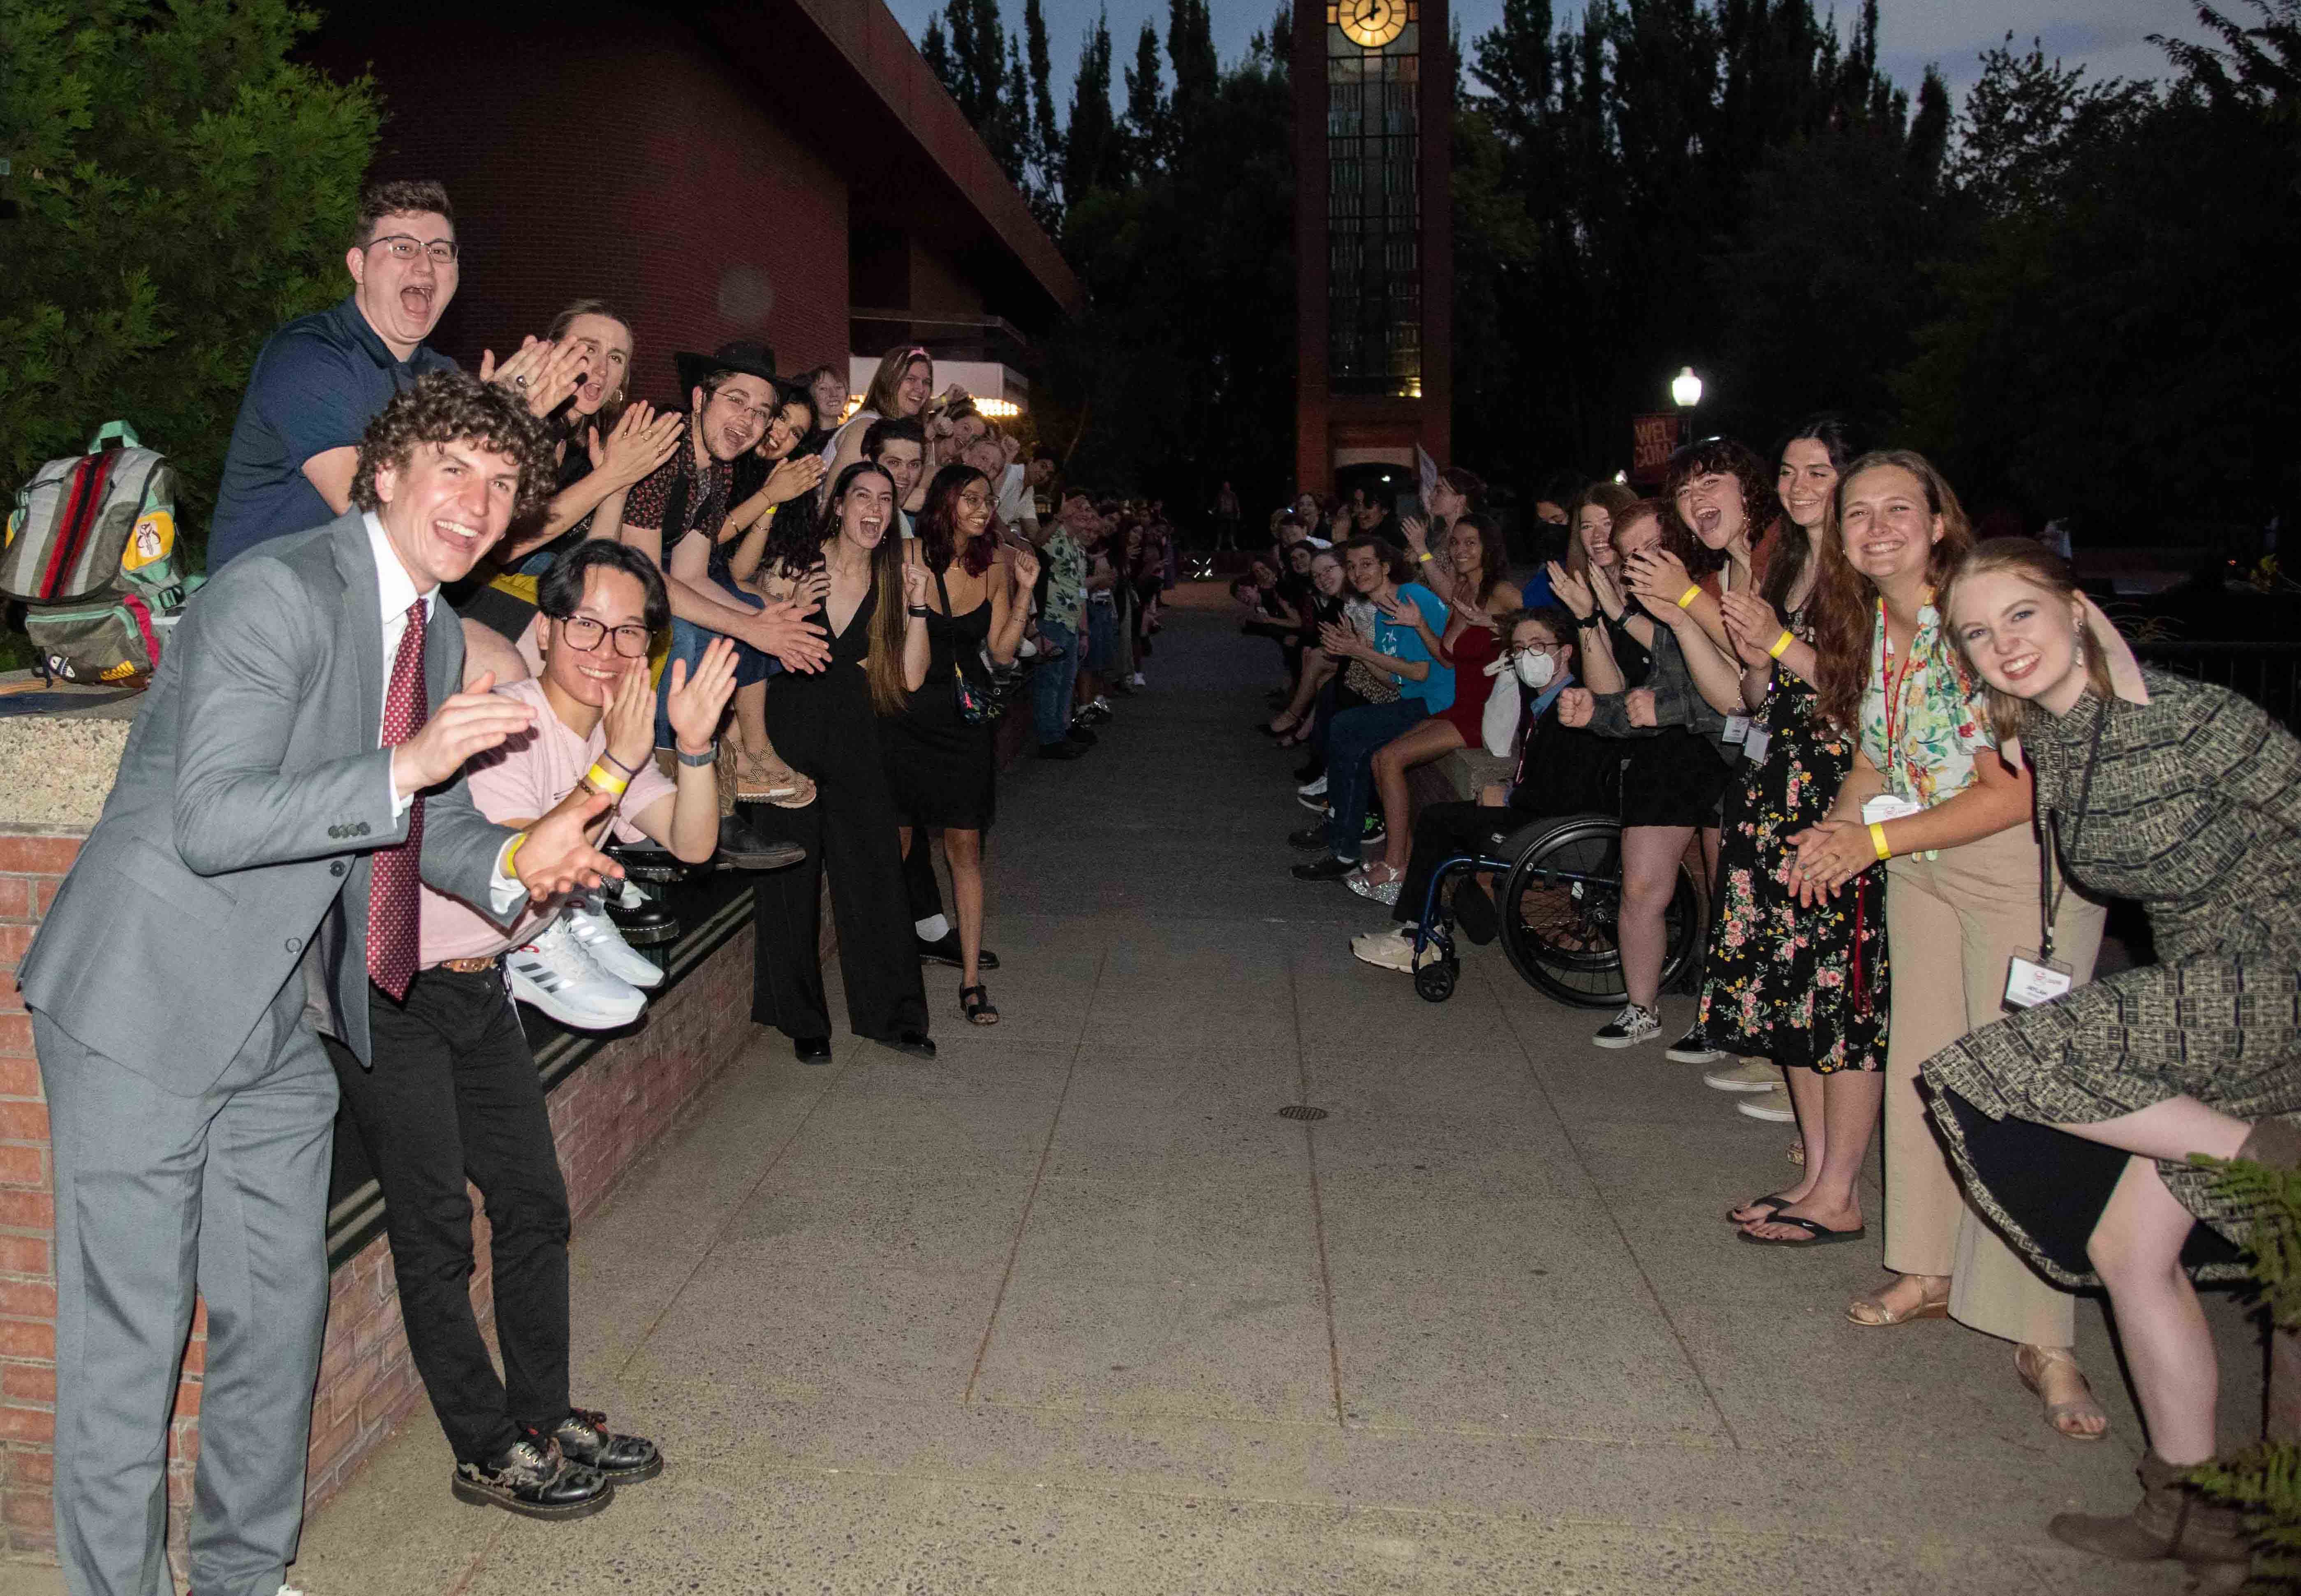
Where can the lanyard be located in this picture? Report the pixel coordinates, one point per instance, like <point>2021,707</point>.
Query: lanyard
<point>1894,683</point>
<point>2049,896</point>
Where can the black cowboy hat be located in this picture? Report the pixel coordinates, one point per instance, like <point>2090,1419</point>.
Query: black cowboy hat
<point>752,359</point>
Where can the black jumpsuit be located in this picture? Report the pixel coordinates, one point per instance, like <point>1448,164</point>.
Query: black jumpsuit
<point>823,726</point>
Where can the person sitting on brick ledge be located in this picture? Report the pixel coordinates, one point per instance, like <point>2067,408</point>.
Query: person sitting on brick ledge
<point>455,1092</point>
<point>254,879</point>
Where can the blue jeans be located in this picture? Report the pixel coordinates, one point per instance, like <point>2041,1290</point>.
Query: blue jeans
<point>1350,745</point>
<point>1052,681</point>
<point>688,642</point>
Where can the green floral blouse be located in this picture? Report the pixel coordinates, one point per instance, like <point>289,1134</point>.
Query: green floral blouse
<point>1938,716</point>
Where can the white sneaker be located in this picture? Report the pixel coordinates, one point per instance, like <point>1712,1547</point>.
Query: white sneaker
<point>1311,789</point>
<point>1316,805</point>
<point>597,935</point>
<point>1629,1028</point>
<point>555,974</point>
<point>1767,1109</point>
<point>1746,1074</point>
<point>1390,949</point>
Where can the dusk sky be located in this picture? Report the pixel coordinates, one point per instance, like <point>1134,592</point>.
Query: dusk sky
<point>2109,37</point>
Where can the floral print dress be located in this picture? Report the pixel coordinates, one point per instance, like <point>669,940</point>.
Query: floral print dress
<point>1804,987</point>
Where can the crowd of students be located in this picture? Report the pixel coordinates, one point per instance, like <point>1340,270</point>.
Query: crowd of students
<point>1807,675</point>
<point>757,627</point>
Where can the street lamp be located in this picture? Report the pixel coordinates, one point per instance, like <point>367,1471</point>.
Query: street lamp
<point>1685,387</point>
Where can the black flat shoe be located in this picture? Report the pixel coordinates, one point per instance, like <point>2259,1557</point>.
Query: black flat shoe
<point>645,861</point>
<point>918,1044</point>
<point>534,1480</point>
<point>944,950</point>
<point>1327,869</point>
<point>1308,837</point>
<point>742,849</point>
<point>976,1007</point>
<point>583,1438</point>
<point>812,1049</point>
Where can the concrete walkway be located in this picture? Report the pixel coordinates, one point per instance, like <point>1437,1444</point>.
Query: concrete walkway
<point>1072,1310</point>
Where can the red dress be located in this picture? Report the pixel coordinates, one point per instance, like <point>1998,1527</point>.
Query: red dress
<point>1471,655</point>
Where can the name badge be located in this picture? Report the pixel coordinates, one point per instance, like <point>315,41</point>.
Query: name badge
<point>1737,729</point>
<point>1890,805</point>
<point>1754,746</point>
<point>2031,981</point>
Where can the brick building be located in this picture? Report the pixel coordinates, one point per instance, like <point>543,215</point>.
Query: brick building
<point>765,172</point>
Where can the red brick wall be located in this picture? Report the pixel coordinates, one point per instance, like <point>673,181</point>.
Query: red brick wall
<point>603,1118</point>
<point>628,167</point>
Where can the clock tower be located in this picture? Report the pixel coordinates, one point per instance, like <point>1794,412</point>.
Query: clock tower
<point>1373,236</point>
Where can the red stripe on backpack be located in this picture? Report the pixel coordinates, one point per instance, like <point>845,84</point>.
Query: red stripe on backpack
<point>142,613</point>
<point>88,480</point>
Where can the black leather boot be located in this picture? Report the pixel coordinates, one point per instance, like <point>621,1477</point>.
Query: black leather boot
<point>533,1479</point>
<point>583,1437</point>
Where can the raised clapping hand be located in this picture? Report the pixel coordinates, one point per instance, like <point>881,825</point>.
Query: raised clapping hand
<point>641,441</point>
<point>1830,853</point>
<point>542,373</point>
<point>1576,705</point>
<point>792,477</point>
<point>1658,578</point>
<point>629,720</point>
<point>782,628</point>
<point>1399,609</point>
<point>1605,592</point>
<point>917,583</point>
<point>1417,529</point>
<point>1752,624</point>
<point>557,858</point>
<point>465,723</point>
<point>1026,569</point>
<point>1339,642</point>
<point>697,702</point>
<point>1571,591</point>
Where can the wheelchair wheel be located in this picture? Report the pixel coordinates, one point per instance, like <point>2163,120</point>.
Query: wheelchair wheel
<point>1434,983</point>
<point>1561,903</point>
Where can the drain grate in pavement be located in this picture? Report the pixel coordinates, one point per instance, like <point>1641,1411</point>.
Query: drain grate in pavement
<point>1302,1111</point>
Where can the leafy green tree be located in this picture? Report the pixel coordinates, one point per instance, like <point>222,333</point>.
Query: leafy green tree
<point>152,146</point>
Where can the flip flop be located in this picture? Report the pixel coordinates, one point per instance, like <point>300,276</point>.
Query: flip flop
<point>1816,1235</point>
<point>1773,1203</point>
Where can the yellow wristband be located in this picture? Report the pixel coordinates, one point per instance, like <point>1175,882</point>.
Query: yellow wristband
<point>606,780</point>
<point>1424,558</point>
<point>1877,838</point>
<point>1686,599</point>
<point>511,856</point>
<point>1782,643</point>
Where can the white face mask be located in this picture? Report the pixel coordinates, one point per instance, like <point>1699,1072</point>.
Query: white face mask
<point>1535,669</point>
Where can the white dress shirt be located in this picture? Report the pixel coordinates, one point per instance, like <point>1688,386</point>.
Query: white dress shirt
<point>395,594</point>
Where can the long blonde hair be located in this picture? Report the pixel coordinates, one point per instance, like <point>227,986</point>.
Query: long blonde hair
<point>2033,563</point>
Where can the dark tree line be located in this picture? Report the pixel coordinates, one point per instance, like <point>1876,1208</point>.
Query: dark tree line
<point>2074,293</point>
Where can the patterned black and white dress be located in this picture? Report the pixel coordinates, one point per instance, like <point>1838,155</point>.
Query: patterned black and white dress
<point>2194,809</point>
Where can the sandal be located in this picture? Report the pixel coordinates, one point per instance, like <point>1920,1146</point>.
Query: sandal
<point>758,781</point>
<point>974,1004</point>
<point>1382,889</point>
<point>2031,1363</point>
<point>1817,1235</point>
<point>1772,1202</point>
<point>1872,1311</point>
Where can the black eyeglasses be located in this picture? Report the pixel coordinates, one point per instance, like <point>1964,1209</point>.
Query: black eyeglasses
<point>406,246</point>
<point>586,634</point>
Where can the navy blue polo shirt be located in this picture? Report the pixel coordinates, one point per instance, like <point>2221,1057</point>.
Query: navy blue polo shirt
<point>317,384</point>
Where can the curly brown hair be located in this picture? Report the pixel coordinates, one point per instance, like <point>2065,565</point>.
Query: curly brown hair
<point>450,407</point>
<point>1842,607</point>
<point>1722,456</point>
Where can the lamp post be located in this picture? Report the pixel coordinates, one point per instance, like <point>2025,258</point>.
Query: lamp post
<point>1685,387</point>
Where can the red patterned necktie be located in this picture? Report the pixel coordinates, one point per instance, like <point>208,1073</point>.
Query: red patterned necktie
<point>394,888</point>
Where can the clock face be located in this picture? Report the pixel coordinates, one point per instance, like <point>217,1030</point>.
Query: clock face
<point>1372,23</point>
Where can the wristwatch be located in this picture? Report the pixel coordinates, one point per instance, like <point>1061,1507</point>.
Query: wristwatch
<point>709,756</point>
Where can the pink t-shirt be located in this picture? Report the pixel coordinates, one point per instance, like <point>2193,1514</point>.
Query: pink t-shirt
<point>522,781</point>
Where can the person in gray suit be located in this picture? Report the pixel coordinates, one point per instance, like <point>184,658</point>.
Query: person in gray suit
<point>293,769</point>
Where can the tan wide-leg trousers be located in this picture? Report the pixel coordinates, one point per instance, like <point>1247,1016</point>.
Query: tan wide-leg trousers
<point>1952,924</point>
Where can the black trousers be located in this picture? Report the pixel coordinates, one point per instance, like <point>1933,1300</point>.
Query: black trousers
<point>1442,831</point>
<point>454,1095</point>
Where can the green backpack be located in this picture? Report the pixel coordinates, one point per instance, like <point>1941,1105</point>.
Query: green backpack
<point>93,555</point>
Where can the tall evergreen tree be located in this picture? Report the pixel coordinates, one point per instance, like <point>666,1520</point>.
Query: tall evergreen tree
<point>1091,153</point>
<point>1147,133</point>
<point>1046,135</point>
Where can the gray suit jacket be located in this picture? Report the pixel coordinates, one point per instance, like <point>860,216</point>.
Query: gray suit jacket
<point>235,843</point>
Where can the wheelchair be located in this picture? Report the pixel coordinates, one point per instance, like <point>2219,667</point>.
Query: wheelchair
<point>1558,899</point>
